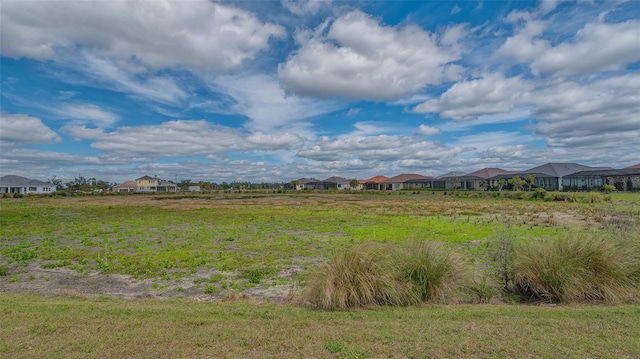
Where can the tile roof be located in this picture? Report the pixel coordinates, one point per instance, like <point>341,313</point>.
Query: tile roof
<point>126,184</point>
<point>376,179</point>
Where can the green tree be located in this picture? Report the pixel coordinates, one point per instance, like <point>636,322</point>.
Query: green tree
<point>501,183</point>
<point>531,180</point>
<point>294,184</point>
<point>517,183</point>
<point>353,184</point>
<point>456,182</point>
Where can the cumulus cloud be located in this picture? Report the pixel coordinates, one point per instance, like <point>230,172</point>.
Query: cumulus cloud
<point>579,114</point>
<point>197,34</point>
<point>467,100</point>
<point>304,7</point>
<point>17,129</point>
<point>526,43</point>
<point>359,58</point>
<point>425,130</point>
<point>179,139</point>
<point>376,148</point>
<point>597,47</point>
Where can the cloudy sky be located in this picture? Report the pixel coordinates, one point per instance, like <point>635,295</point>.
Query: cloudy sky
<point>277,90</point>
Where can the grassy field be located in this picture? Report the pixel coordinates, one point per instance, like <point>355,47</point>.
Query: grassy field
<point>55,327</point>
<point>214,247</point>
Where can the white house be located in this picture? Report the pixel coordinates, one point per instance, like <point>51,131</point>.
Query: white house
<point>22,185</point>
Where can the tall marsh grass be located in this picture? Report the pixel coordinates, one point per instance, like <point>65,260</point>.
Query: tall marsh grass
<point>371,274</point>
<point>580,268</point>
<point>359,276</point>
<point>431,268</point>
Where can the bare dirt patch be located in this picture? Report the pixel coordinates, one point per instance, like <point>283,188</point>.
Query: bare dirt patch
<point>68,282</point>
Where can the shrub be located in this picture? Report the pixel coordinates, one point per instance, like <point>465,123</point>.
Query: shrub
<point>579,269</point>
<point>431,268</point>
<point>358,276</point>
<point>593,197</point>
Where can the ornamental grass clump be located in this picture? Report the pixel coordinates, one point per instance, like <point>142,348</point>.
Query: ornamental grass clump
<point>579,269</point>
<point>431,268</point>
<point>360,276</point>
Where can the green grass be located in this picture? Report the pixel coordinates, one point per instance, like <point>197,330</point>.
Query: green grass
<point>58,327</point>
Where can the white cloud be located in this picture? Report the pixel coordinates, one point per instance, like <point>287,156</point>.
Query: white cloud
<point>596,47</point>
<point>467,100</point>
<point>604,111</point>
<point>425,130</point>
<point>304,7</point>
<point>197,34</point>
<point>90,114</point>
<point>526,44</point>
<point>260,98</point>
<point>359,58</point>
<point>16,129</point>
<point>376,148</point>
<point>456,9</point>
<point>106,73</point>
<point>181,138</point>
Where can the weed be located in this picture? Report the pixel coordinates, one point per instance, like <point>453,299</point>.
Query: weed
<point>210,289</point>
<point>354,354</point>
<point>483,289</point>
<point>3,270</point>
<point>334,347</point>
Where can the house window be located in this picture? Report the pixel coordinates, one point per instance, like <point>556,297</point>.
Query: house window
<point>33,189</point>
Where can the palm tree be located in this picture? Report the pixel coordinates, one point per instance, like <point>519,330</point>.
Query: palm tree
<point>501,183</point>
<point>531,178</point>
<point>353,184</point>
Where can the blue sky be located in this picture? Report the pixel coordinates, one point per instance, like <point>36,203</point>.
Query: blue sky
<point>278,90</point>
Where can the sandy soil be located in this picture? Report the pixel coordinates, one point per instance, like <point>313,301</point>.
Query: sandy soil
<point>68,282</point>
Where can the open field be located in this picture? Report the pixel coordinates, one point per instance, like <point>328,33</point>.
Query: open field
<point>225,263</point>
<point>212,246</point>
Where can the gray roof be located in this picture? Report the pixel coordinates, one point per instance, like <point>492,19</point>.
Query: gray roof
<point>562,169</point>
<point>452,174</point>
<point>18,181</point>
<point>610,172</point>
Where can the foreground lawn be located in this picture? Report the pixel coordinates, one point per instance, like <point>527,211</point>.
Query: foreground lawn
<point>73,327</point>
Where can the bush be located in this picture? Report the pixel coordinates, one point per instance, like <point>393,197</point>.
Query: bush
<point>560,197</point>
<point>431,269</point>
<point>579,269</point>
<point>359,276</point>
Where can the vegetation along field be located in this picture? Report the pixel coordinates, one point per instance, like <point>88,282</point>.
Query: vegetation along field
<point>335,275</point>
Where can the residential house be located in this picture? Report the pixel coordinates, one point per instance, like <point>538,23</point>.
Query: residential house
<point>23,185</point>
<point>338,183</point>
<point>407,181</point>
<point>128,186</point>
<point>479,180</point>
<point>555,175</point>
<point>373,183</point>
<point>447,180</point>
<point>154,184</point>
<point>298,184</point>
<point>627,179</point>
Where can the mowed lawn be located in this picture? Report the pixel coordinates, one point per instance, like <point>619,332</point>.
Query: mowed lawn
<point>72,327</point>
